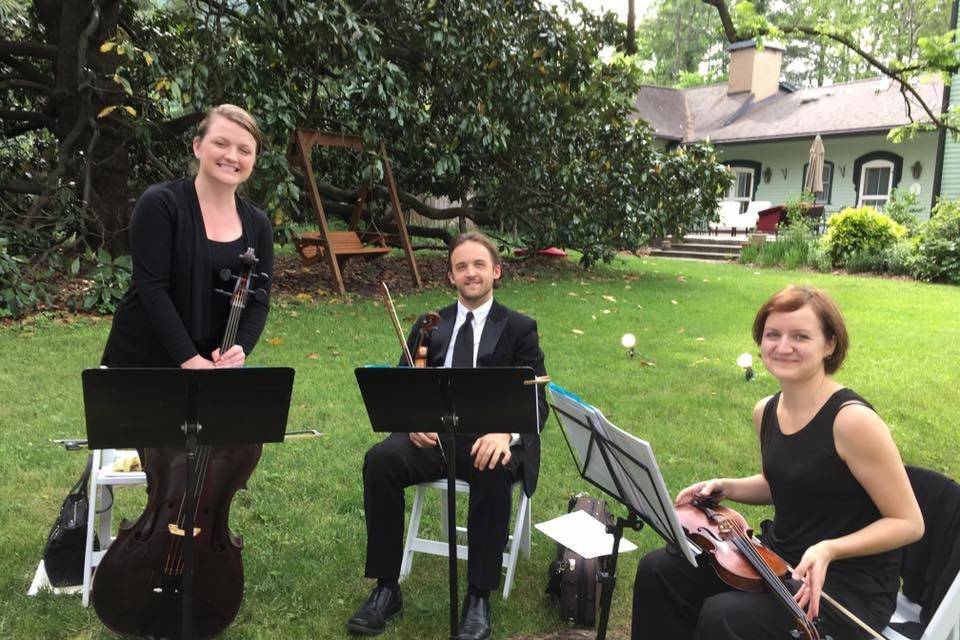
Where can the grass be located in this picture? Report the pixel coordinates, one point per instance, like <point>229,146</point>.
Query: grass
<point>302,516</point>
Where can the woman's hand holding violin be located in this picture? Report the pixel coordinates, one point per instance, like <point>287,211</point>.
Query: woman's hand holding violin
<point>812,571</point>
<point>715,489</point>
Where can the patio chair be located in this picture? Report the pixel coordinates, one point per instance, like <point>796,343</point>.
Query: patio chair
<point>770,219</point>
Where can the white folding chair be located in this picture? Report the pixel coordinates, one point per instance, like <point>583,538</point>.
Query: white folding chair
<point>925,561</point>
<point>517,542</point>
<point>102,479</point>
<point>943,625</point>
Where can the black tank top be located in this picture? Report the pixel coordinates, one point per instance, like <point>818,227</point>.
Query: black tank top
<point>816,497</point>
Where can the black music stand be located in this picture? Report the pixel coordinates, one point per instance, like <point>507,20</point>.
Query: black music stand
<point>137,408</point>
<point>450,401</point>
<point>622,466</point>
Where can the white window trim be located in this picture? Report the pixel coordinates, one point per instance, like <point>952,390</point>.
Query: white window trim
<point>744,202</point>
<point>875,164</point>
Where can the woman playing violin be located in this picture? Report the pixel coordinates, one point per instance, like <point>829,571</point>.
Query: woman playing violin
<point>843,506</point>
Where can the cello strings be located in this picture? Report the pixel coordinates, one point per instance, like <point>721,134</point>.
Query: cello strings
<point>204,452</point>
<point>176,561</point>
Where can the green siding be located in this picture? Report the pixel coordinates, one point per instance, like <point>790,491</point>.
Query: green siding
<point>789,157</point>
<point>950,183</point>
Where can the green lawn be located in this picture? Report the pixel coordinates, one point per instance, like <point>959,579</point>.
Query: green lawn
<point>303,514</point>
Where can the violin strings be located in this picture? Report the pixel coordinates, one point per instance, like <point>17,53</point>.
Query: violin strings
<point>742,541</point>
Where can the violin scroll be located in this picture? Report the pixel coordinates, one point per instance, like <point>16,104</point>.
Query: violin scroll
<point>427,323</point>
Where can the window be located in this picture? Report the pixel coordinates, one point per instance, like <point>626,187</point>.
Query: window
<point>876,182</point>
<point>741,190</point>
<point>826,194</point>
<point>874,176</point>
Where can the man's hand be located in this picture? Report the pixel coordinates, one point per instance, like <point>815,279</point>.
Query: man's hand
<point>491,449</point>
<point>424,440</point>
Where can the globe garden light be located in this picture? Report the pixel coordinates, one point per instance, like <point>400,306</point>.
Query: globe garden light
<point>745,361</point>
<point>629,341</point>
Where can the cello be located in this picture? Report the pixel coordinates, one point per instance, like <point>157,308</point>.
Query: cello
<point>138,587</point>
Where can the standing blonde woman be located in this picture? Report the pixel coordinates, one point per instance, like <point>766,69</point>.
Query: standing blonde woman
<point>843,503</point>
<point>183,233</point>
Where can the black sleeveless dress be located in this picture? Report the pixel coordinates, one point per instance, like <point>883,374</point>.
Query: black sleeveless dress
<point>816,497</point>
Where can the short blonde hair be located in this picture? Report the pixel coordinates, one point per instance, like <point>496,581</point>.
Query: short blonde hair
<point>234,114</point>
<point>794,297</point>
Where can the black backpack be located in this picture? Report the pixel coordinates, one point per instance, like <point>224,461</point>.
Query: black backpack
<point>574,580</point>
<point>63,555</point>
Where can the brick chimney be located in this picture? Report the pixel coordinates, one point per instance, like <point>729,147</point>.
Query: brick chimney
<point>754,70</point>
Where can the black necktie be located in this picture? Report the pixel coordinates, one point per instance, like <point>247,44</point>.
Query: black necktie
<point>463,346</point>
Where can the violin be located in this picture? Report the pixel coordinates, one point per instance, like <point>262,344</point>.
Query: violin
<point>739,559</point>
<point>425,324</point>
<point>138,585</point>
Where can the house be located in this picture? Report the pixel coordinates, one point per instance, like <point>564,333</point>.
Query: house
<point>763,128</point>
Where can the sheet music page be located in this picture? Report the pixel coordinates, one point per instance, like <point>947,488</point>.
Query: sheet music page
<point>583,534</point>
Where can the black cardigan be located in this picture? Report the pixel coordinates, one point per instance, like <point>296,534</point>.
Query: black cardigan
<point>160,320</point>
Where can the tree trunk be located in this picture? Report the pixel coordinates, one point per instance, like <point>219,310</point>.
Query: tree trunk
<point>93,151</point>
<point>631,43</point>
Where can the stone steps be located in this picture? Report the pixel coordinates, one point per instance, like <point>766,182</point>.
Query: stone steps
<point>702,248</point>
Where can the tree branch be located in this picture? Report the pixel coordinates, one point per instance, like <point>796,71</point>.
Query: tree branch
<point>34,117</point>
<point>30,49</point>
<point>882,68</point>
<point>898,75</point>
<point>19,130</point>
<point>729,30</point>
<point>176,127</point>
<point>26,70</point>
<point>19,186</point>
<point>26,84</point>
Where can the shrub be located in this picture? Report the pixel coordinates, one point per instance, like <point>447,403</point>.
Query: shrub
<point>897,258</point>
<point>937,257</point>
<point>107,280</point>
<point>819,257</point>
<point>904,208</point>
<point>863,260</point>
<point>864,231</point>
<point>19,292</point>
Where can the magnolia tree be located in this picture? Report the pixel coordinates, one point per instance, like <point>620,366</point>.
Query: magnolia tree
<point>506,109</point>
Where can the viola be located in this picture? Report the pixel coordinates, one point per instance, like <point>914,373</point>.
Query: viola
<point>739,559</point>
<point>138,585</point>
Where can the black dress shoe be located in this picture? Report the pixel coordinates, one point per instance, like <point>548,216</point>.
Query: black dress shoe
<point>371,619</point>
<point>475,619</point>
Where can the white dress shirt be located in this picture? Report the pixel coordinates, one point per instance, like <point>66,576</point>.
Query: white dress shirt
<point>479,319</point>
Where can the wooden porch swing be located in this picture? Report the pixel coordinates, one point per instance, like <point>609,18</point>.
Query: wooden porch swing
<point>336,247</point>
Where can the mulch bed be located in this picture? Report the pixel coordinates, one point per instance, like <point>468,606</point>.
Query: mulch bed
<point>291,276</point>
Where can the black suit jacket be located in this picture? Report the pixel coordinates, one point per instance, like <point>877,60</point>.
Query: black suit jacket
<point>509,339</point>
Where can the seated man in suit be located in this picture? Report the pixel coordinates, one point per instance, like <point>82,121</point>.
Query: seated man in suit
<point>475,331</point>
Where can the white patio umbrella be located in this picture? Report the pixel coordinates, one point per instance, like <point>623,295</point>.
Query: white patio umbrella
<point>814,181</point>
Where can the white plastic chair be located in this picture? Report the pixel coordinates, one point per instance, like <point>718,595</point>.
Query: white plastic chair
<point>102,479</point>
<point>517,542</point>
<point>729,215</point>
